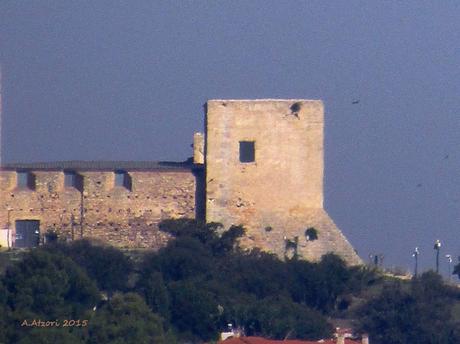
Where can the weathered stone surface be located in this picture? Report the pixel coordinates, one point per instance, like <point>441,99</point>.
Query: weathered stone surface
<point>110,213</point>
<point>198,148</point>
<point>283,188</point>
<point>274,232</point>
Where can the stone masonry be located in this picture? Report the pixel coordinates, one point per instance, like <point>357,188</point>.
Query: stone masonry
<point>259,164</point>
<point>278,195</point>
<point>112,214</point>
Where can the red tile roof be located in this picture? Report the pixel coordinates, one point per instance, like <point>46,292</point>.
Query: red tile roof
<point>260,340</point>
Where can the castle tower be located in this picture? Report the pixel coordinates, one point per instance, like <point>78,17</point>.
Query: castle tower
<point>264,170</point>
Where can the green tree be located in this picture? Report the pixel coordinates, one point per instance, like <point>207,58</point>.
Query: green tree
<point>5,321</point>
<point>155,293</point>
<point>389,317</point>
<point>52,336</point>
<point>303,282</point>
<point>256,272</point>
<point>420,313</point>
<point>194,311</point>
<point>108,266</point>
<point>126,319</point>
<point>321,285</point>
<point>227,242</point>
<point>331,277</point>
<point>280,318</point>
<point>184,258</point>
<point>201,281</point>
<point>204,232</point>
<point>46,286</point>
<point>49,285</point>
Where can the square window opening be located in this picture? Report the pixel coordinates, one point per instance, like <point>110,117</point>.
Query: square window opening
<point>123,179</point>
<point>25,180</point>
<point>247,151</point>
<point>73,180</point>
<point>69,179</point>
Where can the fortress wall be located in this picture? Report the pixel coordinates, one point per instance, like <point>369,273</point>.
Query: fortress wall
<point>111,213</point>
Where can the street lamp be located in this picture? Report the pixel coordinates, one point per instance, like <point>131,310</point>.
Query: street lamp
<point>437,247</point>
<point>449,261</point>
<point>415,255</point>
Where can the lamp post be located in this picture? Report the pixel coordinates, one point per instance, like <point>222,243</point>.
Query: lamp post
<point>437,247</point>
<point>415,255</point>
<point>449,261</point>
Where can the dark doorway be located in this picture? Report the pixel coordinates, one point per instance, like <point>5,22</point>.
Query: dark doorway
<point>27,233</point>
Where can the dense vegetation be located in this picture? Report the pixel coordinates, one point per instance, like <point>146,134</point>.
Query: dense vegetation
<point>190,290</point>
<point>418,313</point>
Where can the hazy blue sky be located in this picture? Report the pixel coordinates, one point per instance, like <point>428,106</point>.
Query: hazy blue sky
<point>126,80</point>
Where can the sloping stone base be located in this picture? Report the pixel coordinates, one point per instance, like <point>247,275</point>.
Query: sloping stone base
<point>282,234</point>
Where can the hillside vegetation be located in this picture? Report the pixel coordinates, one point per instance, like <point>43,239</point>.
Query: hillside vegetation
<point>190,290</point>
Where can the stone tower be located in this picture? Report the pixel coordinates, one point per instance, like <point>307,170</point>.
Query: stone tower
<point>264,162</point>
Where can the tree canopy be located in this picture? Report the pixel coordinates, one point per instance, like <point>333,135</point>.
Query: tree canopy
<point>418,313</point>
<point>201,281</point>
<point>126,319</point>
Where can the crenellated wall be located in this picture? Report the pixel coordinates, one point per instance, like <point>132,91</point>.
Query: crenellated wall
<point>113,214</point>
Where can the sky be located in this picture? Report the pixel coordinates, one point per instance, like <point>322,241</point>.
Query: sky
<point>127,80</point>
